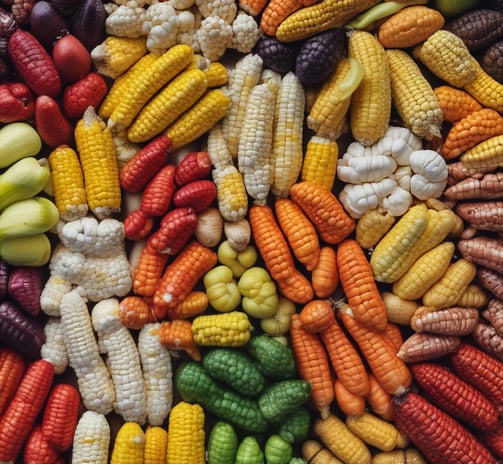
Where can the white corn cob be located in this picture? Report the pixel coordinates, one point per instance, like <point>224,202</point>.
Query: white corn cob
<point>55,287</point>
<point>157,374</point>
<point>123,360</point>
<point>287,149</point>
<point>93,378</point>
<point>54,349</point>
<point>91,439</point>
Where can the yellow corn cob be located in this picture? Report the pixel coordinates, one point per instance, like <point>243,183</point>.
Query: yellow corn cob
<point>98,159</point>
<point>245,75</point>
<point>485,156</point>
<point>343,443</point>
<point>412,95</point>
<point>485,89</point>
<point>287,148</point>
<point>186,434</point>
<point>327,14</point>
<point>156,444</point>
<point>446,56</point>
<point>255,143</point>
<point>232,198</point>
<point>376,432</point>
<point>449,288</point>
<point>328,112</point>
<point>372,226</point>
<point>68,183</point>
<point>320,161</point>
<point>391,251</point>
<point>147,83</point>
<point>424,272</point>
<point>123,83</point>
<point>91,439</point>
<point>175,98</point>
<point>370,106</point>
<point>93,377</point>
<point>115,55</point>
<point>123,360</point>
<point>129,444</point>
<point>473,297</point>
<point>158,375</point>
<point>223,329</point>
<point>216,74</point>
<point>198,119</point>
<point>406,456</point>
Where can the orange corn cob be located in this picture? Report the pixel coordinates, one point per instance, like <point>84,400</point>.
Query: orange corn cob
<point>325,275</point>
<point>394,335</point>
<point>277,10</point>
<point>61,414</point>
<point>316,315</point>
<point>135,311</point>
<point>324,210</point>
<point>359,285</point>
<point>299,232</point>
<point>177,335</point>
<point>277,256</point>
<point>456,104</point>
<point>194,304</point>
<point>12,368</point>
<point>379,400</point>
<point>181,275</point>
<point>472,129</point>
<point>391,372</point>
<point>148,271</point>
<point>312,364</point>
<point>349,403</point>
<point>19,417</point>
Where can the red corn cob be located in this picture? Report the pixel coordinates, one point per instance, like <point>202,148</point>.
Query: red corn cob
<point>19,417</point>
<point>25,287</point>
<point>198,194</point>
<point>481,370</point>
<point>39,450</point>
<point>34,64</point>
<point>181,275</point>
<point>137,225</point>
<point>53,127</point>
<point>193,166</point>
<point>439,437</point>
<point>60,416</point>
<point>148,271</point>
<point>493,439</point>
<point>175,230</point>
<point>16,102</point>
<point>143,166</point>
<point>12,368</point>
<point>88,91</point>
<point>455,396</point>
<point>157,195</point>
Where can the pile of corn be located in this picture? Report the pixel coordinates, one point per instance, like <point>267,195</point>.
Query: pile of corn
<point>251,231</point>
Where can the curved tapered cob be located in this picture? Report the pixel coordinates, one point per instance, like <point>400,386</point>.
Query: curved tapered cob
<point>485,156</point>
<point>91,439</point>
<point>98,159</point>
<point>129,444</point>
<point>170,102</point>
<point>156,445</point>
<point>287,145</point>
<point>370,106</point>
<point>147,82</point>
<point>412,95</point>
<point>485,89</point>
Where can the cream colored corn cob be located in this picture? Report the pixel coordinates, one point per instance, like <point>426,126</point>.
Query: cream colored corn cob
<point>123,360</point>
<point>287,148</point>
<point>54,348</point>
<point>91,439</point>
<point>413,96</point>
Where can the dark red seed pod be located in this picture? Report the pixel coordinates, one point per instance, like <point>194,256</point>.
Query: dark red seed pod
<point>25,288</point>
<point>193,166</point>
